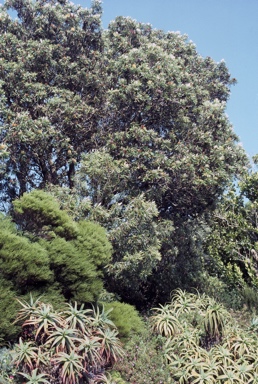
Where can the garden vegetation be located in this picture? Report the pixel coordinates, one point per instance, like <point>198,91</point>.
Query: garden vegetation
<point>128,232</point>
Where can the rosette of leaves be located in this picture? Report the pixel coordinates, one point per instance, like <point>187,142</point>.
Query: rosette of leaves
<point>56,351</point>
<point>164,322</point>
<point>215,317</point>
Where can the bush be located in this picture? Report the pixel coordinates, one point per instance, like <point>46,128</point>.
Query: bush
<point>250,297</point>
<point>7,368</point>
<point>8,309</point>
<point>49,253</point>
<point>126,318</point>
<point>144,360</point>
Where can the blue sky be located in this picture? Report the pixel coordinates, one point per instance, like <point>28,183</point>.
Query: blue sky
<point>221,29</point>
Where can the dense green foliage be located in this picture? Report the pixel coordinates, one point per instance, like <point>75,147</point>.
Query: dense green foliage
<point>50,254</point>
<point>144,360</point>
<point>133,119</point>
<point>126,319</point>
<point>119,140</point>
<point>231,253</point>
<point>48,101</point>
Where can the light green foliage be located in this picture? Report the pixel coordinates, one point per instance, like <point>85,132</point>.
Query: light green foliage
<point>92,241</point>
<point>136,236</point>
<point>144,360</point>
<point>171,139</point>
<point>41,216</point>
<point>23,262</point>
<point>164,322</point>
<point>35,378</point>
<point>54,256</point>
<point>172,132</point>
<point>232,243</point>
<point>73,270</point>
<point>135,233</point>
<point>7,224</point>
<point>126,318</point>
<point>8,308</point>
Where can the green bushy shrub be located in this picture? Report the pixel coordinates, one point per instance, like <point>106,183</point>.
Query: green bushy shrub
<point>126,318</point>
<point>232,296</point>
<point>48,254</point>
<point>8,308</point>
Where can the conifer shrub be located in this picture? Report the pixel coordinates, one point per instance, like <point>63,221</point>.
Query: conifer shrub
<point>47,253</point>
<point>8,308</point>
<point>38,214</point>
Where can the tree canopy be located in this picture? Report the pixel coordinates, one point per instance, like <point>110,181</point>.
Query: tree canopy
<point>143,95</point>
<point>131,122</point>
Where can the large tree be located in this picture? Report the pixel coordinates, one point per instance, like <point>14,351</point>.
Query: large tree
<point>165,138</point>
<point>137,111</point>
<point>50,94</point>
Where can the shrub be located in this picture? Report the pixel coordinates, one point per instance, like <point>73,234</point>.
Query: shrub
<point>144,360</point>
<point>7,368</point>
<point>52,254</point>
<point>126,318</point>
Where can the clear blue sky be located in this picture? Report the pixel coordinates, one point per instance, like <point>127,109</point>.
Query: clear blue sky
<point>221,29</point>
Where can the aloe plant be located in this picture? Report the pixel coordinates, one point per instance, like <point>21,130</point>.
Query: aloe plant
<point>254,324</point>
<point>245,371</point>
<point>203,376</point>
<point>70,366</point>
<point>215,320</point>
<point>78,318</point>
<point>63,339</point>
<point>100,318</point>
<point>164,322</point>
<point>111,348</point>
<point>61,350</point>
<point>230,375</point>
<point>35,378</point>
<point>222,355</point>
<point>241,345</point>
<point>183,302</point>
<point>44,319</point>
<point>89,348</point>
<point>27,309</point>
<point>26,354</point>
